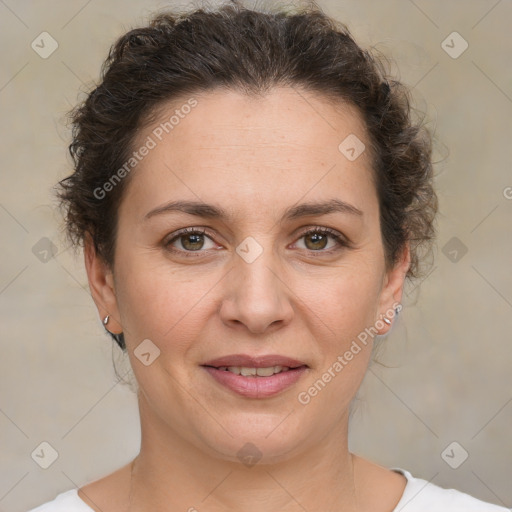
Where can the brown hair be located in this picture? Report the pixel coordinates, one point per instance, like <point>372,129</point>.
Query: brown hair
<point>251,51</point>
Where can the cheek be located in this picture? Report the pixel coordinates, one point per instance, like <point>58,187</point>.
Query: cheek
<point>344,331</point>
<point>160,303</point>
<point>344,339</point>
<point>348,303</point>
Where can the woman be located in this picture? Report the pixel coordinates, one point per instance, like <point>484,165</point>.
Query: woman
<point>251,194</point>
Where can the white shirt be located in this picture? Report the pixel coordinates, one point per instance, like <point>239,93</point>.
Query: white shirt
<point>419,496</point>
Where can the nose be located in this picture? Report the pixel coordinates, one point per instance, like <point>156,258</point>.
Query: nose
<point>256,295</point>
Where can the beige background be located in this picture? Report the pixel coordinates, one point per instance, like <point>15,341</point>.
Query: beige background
<point>450,352</point>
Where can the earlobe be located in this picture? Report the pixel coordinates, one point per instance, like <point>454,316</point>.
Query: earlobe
<point>101,284</point>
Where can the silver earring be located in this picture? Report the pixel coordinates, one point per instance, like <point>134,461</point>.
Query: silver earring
<point>387,320</point>
<point>105,320</point>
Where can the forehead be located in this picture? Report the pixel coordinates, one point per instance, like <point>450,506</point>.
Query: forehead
<point>290,113</point>
<point>242,146</point>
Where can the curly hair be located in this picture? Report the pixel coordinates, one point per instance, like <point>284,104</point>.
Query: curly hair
<point>233,47</point>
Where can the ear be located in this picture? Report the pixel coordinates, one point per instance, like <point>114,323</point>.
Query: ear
<point>101,284</point>
<point>392,289</point>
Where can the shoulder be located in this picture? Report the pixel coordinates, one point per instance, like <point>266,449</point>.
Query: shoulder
<point>111,489</point>
<point>423,496</point>
<point>68,501</point>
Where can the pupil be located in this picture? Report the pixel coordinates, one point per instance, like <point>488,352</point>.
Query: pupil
<point>197,240</point>
<point>318,237</point>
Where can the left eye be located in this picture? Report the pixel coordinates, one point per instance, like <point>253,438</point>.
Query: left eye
<point>316,239</point>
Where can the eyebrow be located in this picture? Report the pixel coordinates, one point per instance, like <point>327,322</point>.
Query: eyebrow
<point>205,210</point>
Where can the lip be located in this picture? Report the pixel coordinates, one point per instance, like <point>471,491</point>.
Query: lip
<point>255,361</point>
<point>255,386</point>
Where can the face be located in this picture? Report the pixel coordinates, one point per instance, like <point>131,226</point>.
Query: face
<point>286,260</point>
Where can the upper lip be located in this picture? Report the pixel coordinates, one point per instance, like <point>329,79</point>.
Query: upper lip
<point>254,361</point>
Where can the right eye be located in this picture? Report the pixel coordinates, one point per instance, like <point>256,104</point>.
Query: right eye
<point>190,239</point>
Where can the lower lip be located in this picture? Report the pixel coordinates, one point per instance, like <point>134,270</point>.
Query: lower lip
<point>256,387</point>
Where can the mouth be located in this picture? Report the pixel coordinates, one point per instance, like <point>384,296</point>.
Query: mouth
<point>247,371</point>
<point>256,377</point>
<point>258,362</point>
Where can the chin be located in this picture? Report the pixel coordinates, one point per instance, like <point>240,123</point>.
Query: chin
<point>257,439</point>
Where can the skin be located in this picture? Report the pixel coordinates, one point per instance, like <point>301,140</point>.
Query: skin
<point>255,157</point>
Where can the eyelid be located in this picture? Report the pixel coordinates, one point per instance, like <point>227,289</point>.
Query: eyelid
<point>190,230</point>
<point>340,239</point>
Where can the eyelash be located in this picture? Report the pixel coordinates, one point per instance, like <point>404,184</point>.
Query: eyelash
<point>343,243</point>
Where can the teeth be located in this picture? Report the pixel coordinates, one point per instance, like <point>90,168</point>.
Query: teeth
<point>267,372</point>
<point>260,372</point>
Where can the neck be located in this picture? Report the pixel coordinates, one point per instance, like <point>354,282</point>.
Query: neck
<point>171,473</point>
